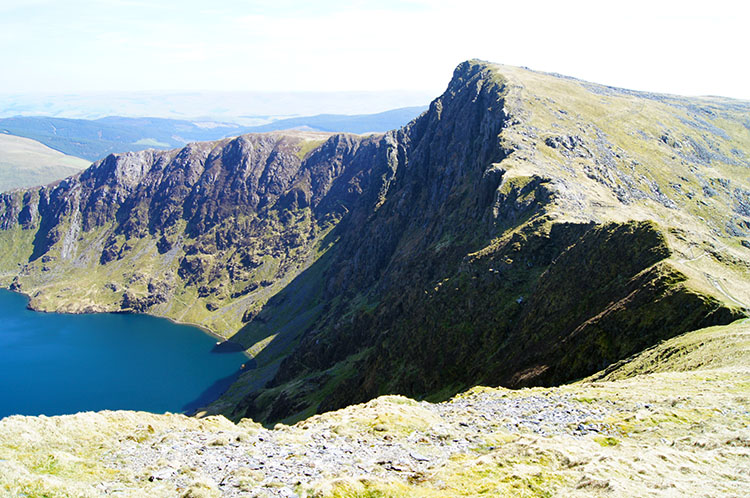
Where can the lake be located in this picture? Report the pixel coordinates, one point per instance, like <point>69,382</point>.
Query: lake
<point>53,364</point>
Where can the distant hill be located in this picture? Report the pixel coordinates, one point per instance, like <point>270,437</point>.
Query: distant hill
<point>26,163</point>
<point>95,139</point>
<point>246,108</point>
<point>361,123</point>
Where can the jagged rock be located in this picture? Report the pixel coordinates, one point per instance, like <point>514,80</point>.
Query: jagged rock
<point>109,254</point>
<point>249,315</point>
<point>158,292</point>
<point>164,244</point>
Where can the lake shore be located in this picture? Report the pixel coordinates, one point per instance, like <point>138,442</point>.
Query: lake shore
<point>58,363</point>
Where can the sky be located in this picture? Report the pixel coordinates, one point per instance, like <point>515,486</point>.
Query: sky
<point>53,46</point>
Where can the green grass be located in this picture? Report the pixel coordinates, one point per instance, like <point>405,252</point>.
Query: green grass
<point>308,146</point>
<point>713,347</point>
<point>606,441</point>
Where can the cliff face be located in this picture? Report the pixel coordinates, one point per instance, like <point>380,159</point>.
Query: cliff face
<point>527,229</point>
<point>499,256</point>
<point>199,234</point>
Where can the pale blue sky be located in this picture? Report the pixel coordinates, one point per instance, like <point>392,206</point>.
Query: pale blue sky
<point>58,46</point>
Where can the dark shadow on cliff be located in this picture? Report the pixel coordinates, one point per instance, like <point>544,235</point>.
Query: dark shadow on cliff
<point>288,310</point>
<point>230,347</point>
<point>211,393</point>
<point>282,322</point>
<point>41,242</point>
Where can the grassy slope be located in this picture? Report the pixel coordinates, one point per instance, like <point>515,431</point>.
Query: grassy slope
<point>681,162</point>
<point>26,163</point>
<point>723,347</point>
<point>82,285</point>
<point>679,432</point>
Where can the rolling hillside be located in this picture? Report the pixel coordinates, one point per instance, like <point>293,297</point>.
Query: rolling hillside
<point>27,163</point>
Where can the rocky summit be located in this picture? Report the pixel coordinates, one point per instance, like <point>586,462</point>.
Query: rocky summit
<point>528,229</point>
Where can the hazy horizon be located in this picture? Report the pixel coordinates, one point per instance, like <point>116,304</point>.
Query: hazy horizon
<point>246,108</point>
<point>83,46</point>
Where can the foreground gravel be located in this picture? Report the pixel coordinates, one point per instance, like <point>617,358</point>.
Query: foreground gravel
<point>661,434</point>
<point>390,438</point>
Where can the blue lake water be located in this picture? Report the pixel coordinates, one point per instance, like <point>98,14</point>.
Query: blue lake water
<point>54,364</point>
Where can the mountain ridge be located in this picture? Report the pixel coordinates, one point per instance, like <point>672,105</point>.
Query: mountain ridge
<point>513,234</point>
<point>323,352</point>
<point>94,139</point>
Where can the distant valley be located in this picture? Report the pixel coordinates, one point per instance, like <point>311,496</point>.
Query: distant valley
<point>246,108</point>
<point>94,139</point>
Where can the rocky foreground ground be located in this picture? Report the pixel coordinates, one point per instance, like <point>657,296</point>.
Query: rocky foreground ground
<point>667,434</point>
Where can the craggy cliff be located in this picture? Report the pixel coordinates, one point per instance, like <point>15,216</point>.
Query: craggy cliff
<point>527,229</point>
<point>198,234</point>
